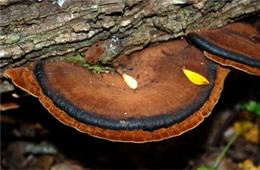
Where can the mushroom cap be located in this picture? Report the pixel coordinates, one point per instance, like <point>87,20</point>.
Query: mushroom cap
<point>236,45</point>
<point>165,103</point>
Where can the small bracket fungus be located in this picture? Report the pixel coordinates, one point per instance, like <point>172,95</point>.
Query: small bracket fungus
<point>164,105</point>
<point>236,45</point>
<point>104,51</point>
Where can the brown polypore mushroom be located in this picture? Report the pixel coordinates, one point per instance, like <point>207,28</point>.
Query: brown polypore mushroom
<point>236,45</point>
<point>165,103</point>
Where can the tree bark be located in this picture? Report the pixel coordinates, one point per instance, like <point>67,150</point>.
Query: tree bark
<point>38,29</point>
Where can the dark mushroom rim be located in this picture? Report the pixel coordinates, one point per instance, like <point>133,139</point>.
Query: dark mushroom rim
<point>147,124</point>
<point>218,51</point>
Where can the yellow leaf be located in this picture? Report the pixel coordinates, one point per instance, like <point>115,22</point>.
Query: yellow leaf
<point>248,165</point>
<point>250,132</point>
<point>195,78</point>
<point>130,81</point>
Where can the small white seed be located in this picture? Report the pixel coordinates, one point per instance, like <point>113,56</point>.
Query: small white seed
<point>130,81</point>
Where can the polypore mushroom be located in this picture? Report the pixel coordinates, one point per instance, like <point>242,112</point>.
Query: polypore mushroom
<point>104,51</point>
<point>164,104</point>
<point>236,45</point>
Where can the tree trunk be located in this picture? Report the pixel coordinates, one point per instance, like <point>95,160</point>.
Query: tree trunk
<point>36,29</point>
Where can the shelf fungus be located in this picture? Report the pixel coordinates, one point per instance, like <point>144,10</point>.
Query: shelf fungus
<point>236,45</point>
<point>164,104</point>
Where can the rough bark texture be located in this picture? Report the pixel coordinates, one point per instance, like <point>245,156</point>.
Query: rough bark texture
<point>38,29</point>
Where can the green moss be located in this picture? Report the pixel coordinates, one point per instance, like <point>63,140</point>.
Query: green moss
<point>97,68</point>
<point>80,60</point>
<point>77,59</point>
